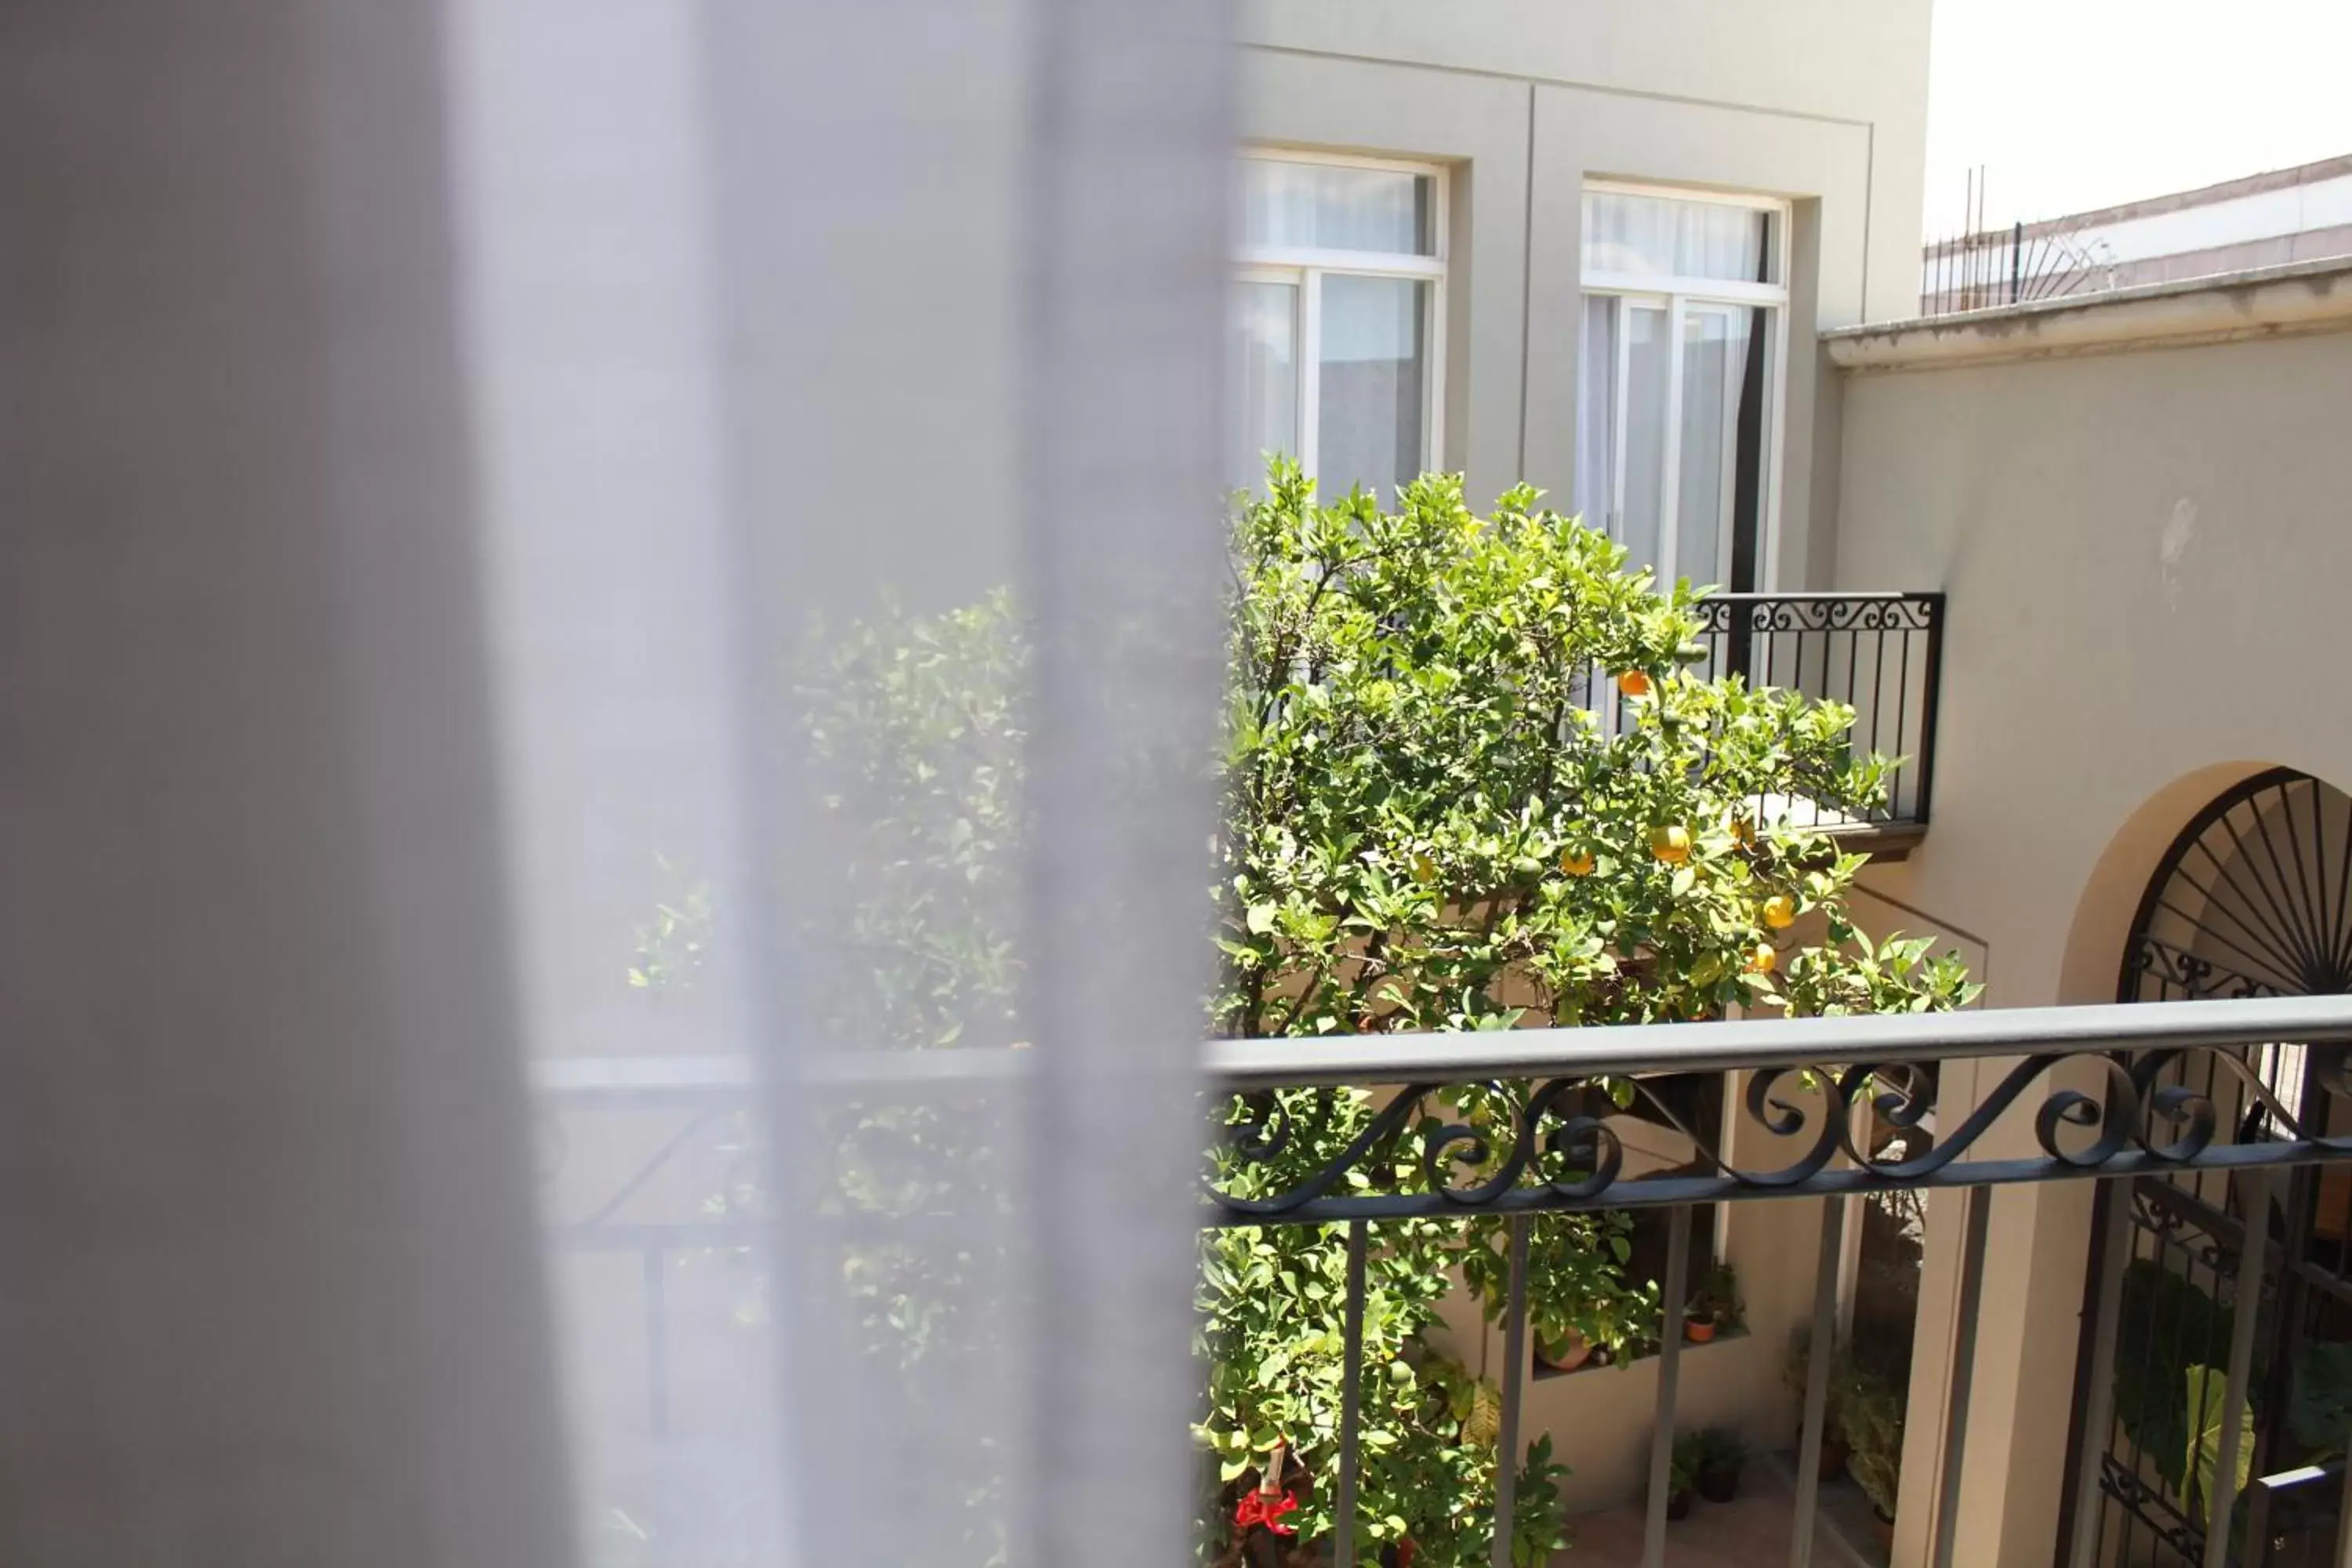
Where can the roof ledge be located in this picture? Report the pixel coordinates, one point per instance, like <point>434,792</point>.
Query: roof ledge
<point>2267,302</point>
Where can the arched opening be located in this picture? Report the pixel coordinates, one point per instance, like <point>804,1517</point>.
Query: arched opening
<point>2251,897</point>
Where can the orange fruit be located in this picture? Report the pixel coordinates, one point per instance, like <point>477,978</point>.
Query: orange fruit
<point>1672,845</point>
<point>1633,683</point>
<point>1575,862</point>
<point>1743,832</point>
<point>1763,960</point>
<point>1424,869</point>
<point>1780,912</point>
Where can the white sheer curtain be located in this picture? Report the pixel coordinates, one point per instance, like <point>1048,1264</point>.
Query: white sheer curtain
<point>1334,206</point>
<point>1625,406</point>
<point>1596,424</point>
<point>1373,378</point>
<point>1665,237</point>
<point>453,1111</point>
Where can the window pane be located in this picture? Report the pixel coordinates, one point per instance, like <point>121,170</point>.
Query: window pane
<point>1373,370</point>
<point>1657,237</point>
<point>1264,358</point>
<point>1648,350</point>
<point>1332,207</point>
<point>1715,365</point>
<point>1596,414</point>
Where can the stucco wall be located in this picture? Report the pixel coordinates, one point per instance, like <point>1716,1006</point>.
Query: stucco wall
<point>2146,555</point>
<point>1821,101</point>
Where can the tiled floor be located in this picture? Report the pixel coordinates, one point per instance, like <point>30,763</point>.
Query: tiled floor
<point>1752,1528</point>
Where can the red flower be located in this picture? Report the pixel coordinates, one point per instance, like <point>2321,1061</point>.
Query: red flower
<point>1267,1509</point>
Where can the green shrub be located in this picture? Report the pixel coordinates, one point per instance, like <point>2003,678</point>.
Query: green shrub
<point>1424,828</point>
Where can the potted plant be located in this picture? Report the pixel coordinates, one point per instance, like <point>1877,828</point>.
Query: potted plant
<point>1715,1307</point>
<point>1682,1475</point>
<point>1722,1454</point>
<point>1579,1304</point>
<point>1793,1373</point>
<point>1266,1507</point>
<point>1564,1351</point>
<point>1871,1408</point>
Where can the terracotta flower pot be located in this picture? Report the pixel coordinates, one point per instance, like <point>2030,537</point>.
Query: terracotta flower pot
<point>1698,1330</point>
<point>1574,1351</point>
<point>1720,1483</point>
<point>1883,1530</point>
<point>1678,1505</point>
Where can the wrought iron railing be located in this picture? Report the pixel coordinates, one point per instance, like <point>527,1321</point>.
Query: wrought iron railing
<point>1880,653</point>
<point>2100,1088</point>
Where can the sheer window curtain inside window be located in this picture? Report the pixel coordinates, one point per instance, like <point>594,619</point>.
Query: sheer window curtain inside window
<point>1373,391</point>
<point>1333,351</point>
<point>1663,446</point>
<point>1263,353</point>
<point>1714,366</point>
<point>1647,407</point>
<point>1596,428</point>
<point>473,1097</point>
<point>1666,237</point>
<point>1287,204</point>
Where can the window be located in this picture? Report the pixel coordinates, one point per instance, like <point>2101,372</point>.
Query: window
<point>1338,308</point>
<point>1678,381</point>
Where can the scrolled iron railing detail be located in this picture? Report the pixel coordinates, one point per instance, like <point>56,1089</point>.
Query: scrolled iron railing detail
<point>2152,1508</point>
<point>1550,1153</point>
<point>1818,612</point>
<point>2193,974</point>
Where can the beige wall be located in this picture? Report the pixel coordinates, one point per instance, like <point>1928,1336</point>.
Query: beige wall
<point>2146,555</point>
<point>1821,101</point>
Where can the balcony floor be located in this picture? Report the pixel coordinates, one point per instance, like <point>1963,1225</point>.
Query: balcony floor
<point>1753,1527</point>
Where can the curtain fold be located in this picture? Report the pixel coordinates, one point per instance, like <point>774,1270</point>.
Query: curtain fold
<point>509,1060</point>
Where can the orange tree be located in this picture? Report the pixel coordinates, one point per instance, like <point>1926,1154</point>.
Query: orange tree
<point>1424,827</point>
<point>1427,827</point>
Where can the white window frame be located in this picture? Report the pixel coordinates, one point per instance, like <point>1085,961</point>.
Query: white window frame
<point>1676,296</point>
<point>1306,267</point>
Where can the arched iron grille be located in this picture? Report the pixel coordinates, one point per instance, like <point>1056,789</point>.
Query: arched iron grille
<point>2253,899</point>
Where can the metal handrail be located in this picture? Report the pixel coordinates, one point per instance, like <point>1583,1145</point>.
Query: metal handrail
<point>1629,1049</point>
<point>1843,1059</point>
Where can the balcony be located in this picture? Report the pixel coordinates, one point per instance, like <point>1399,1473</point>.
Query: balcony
<point>1880,654</point>
<point>2172,1111</point>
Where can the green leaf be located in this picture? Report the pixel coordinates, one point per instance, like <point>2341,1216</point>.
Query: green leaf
<point>2206,1385</point>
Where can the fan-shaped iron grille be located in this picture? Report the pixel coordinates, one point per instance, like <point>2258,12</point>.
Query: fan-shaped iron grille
<point>2254,898</point>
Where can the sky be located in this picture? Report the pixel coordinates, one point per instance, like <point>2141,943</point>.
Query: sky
<point>2073,104</point>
